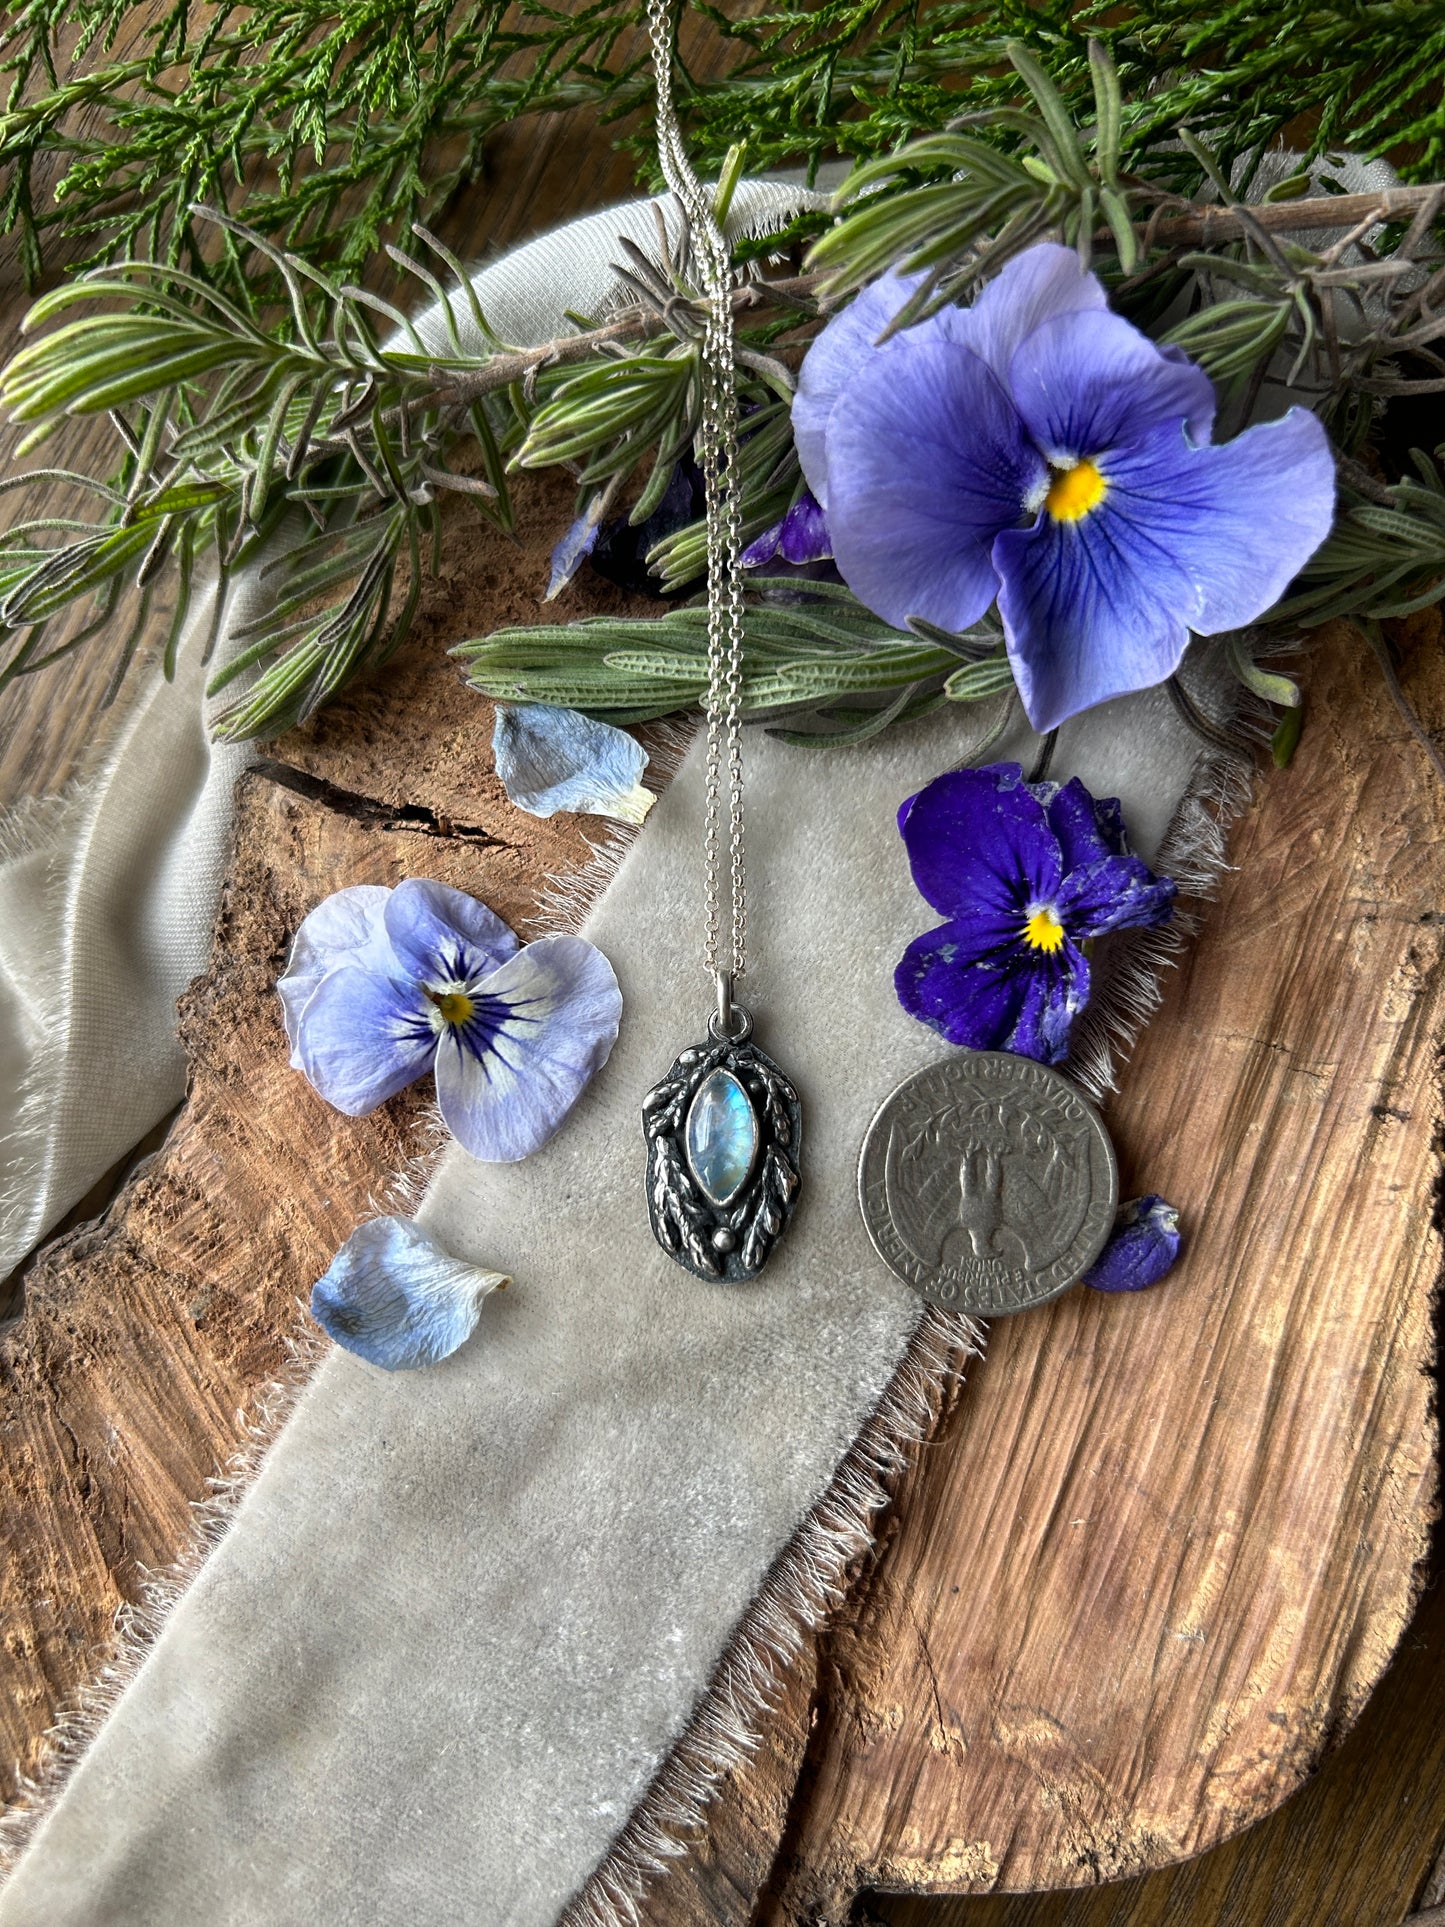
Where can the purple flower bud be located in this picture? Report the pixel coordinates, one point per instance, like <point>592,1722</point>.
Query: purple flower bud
<point>800,538</point>
<point>804,536</point>
<point>1143,1246</point>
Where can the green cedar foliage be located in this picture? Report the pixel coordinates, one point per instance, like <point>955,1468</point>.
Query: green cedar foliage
<point>332,124</point>
<point>256,391</point>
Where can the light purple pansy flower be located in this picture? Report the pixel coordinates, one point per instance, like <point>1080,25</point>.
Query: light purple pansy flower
<point>385,985</point>
<point>1142,1247</point>
<point>1039,450</point>
<point>1025,873</point>
<point>552,759</point>
<point>397,1298</point>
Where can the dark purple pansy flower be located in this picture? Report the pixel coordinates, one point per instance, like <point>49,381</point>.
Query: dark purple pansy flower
<point>624,546</point>
<point>1025,873</point>
<point>1142,1246</point>
<point>1037,449</point>
<point>801,536</point>
<point>385,985</point>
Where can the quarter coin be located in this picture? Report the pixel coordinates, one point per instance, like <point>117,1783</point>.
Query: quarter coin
<point>988,1183</point>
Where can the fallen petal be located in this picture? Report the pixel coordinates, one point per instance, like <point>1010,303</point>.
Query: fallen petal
<point>1142,1247</point>
<point>576,545</point>
<point>398,1299</point>
<point>553,759</point>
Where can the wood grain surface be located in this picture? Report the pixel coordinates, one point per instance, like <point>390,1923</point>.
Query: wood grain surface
<point>1149,1572</point>
<point>1169,1545</point>
<point>1164,1547</point>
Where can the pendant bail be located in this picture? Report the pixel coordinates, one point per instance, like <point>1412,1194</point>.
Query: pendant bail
<point>729,1023</point>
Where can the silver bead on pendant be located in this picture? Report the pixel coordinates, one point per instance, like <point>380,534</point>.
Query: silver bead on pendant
<point>723,1133</point>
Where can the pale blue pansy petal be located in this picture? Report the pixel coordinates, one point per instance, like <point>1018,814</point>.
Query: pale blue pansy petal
<point>1199,422</point>
<point>928,462</point>
<point>397,1298</point>
<point>544,1024</point>
<point>346,927</point>
<point>364,1037</point>
<point>980,846</point>
<point>1184,539</point>
<point>1142,1247</point>
<point>443,936</point>
<point>1240,519</point>
<point>1088,384</point>
<point>1036,286</point>
<point>553,759</point>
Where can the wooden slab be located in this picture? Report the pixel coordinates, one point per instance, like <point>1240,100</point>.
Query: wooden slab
<point>1152,1569</point>
<point>1165,1546</point>
<point>1012,1698</point>
<point>1169,1544</point>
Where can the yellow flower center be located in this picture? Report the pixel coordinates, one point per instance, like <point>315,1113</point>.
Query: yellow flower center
<point>453,1006</point>
<point>1074,491</point>
<point>1043,931</point>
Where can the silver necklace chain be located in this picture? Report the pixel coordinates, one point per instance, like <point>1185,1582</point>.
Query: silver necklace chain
<point>725,924</point>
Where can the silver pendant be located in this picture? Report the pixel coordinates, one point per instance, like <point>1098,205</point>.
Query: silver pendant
<point>723,1132</point>
<point>988,1183</point>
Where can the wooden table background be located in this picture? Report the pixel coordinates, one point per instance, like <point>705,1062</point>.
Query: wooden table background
<point>1358,1844</point>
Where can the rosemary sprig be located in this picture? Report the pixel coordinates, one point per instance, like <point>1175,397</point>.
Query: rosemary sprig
<point>227,425</point>
<point>812,652</point>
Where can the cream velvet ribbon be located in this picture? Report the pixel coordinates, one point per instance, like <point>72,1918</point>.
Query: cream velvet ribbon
<point>108,893</point>
<point>461,1615</point>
